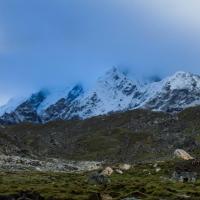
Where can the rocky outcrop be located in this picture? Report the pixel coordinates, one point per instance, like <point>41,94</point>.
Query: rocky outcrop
<point>64,108</point>
<point>184,176</point>
<point>27,111</point>
<point>45,106</point>
<point>187,170</point>
<point>181,154</point>
<point>174,93</point>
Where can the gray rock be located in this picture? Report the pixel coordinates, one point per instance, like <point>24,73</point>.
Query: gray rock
<point>98,179</point>
<point>185,176</point>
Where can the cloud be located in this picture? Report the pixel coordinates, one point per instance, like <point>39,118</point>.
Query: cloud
<point>61,42</point>
<point>180,14</point>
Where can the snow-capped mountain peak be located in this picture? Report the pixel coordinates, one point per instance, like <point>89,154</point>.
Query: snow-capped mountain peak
<point>114,76</point>
<point>183,80</point>
<point>174,93</point>
<point>114,91</point>
<point>11,105</point>
<point>52,96</point>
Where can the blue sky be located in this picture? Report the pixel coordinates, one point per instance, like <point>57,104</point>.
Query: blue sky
<point>60,42</point>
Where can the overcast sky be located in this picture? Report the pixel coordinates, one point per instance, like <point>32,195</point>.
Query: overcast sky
<point>60,42</point>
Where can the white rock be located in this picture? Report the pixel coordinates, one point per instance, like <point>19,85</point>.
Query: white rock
<point>124,167</point>
<point>38,169</point>
<point>155,165</point>
<point>180,153</point>
<point>108,171</point>
<point>118,171</point>
<point>158,170</point>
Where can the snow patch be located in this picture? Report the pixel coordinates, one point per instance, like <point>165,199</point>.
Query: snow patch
<point>11,105</point>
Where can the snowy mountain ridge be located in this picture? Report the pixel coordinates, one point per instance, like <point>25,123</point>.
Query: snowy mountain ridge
<point>114,91</point>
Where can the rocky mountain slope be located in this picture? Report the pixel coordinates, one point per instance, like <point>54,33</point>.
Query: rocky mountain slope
<point>174,93</point>
<point>115,91</point>
<point>130,136</point>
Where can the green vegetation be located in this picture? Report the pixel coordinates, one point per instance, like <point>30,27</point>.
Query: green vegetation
<point>131,136</point>
<point>142,182</point>
<point>138,136</point>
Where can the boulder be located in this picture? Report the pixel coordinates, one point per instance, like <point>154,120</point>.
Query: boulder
<point>108,171</point>
<point>181,154</point>
<point>155,165</point>
<point>158,169</point>
<point>98,179</point>
<point>124,167</point>
<point>118,171</point>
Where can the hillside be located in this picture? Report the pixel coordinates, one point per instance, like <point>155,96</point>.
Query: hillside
<point>138,135</point>
<point>141,182</point>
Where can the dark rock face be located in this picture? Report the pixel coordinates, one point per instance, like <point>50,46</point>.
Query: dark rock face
<point>187,171</point>
<point>27,111</point>
<point>65,108</point>
<point>184,176</point>
<point>97,178</point>
<point>173,100</point>
<point>178,92</point>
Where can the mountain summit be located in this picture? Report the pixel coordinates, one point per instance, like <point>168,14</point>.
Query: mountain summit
<point>174,93</point>
<point>115,91</point>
